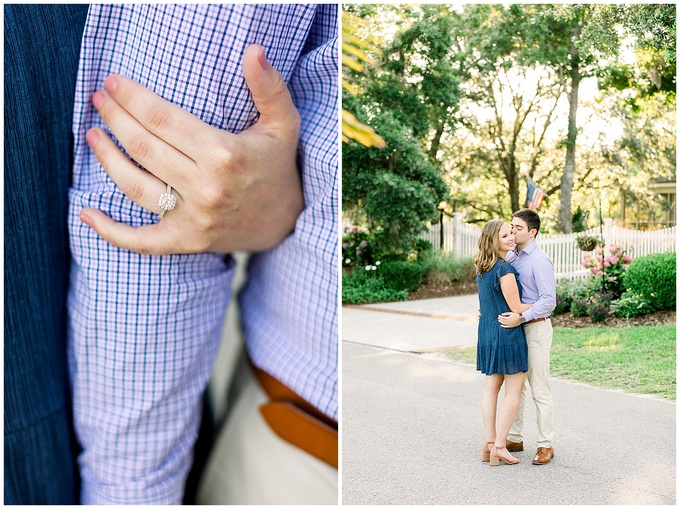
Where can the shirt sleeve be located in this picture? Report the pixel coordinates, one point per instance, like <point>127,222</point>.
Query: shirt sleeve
<point>289,305</point>
<point>543,272</point>
<point>144,330</point>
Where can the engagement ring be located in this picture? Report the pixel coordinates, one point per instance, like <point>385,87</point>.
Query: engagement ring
<point>167,201</point>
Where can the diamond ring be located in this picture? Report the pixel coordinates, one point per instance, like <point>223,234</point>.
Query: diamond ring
<point>167,201</point>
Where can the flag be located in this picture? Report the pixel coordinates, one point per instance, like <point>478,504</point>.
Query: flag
<point>534,195</point>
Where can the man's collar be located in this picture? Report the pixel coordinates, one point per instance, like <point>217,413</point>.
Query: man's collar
<point>528,249</point>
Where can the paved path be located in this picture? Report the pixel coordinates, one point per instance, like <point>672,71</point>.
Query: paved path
<point>411,425</point>
<point>413,326</point>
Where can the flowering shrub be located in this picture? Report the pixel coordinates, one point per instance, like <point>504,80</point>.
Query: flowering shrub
<point>598,306</point>
<point>579,306</point>
<point>608,266</point>
<point>631,304</point>
<point>358,246</point>
<point>573,295</point>
<point>564,296</point>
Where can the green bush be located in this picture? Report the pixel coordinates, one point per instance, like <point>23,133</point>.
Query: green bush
<point>574,295</point>
<point>366,287</point>
<point>599,305</point>
<point>401,275</point>
<point>564,295</point>
<point>579,306</point>
<point>456,269</point>
<point>631,304</point>
<point>423,245</point>
<point>653,278</point>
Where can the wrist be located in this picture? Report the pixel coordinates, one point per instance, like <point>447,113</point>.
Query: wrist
<point>522,319</point>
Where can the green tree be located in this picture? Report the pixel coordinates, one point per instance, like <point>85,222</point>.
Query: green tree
<point>410,100</point>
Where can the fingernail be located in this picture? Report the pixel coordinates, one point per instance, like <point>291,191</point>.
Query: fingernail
<point>86,219</point>
<point>110,84</point>
<point>98,99</point>
<point>263,60</point>
<point>92,137</point>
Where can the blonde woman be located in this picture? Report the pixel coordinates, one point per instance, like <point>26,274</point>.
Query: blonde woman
<point>501,353</point>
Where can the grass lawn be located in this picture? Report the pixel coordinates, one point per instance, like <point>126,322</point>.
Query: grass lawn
<point>634,359</point>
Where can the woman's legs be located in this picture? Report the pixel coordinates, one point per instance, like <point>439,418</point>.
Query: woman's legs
<point>509,405</point>
<point>489,403</point>
<point>508,410</point>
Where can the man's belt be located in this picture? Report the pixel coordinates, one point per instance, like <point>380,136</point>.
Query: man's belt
<point>298,422</point>
<point>544,319</point>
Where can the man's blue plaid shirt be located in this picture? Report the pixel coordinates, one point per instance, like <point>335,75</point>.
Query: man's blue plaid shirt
<point>144,330</point>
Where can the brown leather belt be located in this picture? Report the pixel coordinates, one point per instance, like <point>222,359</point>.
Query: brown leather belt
<point>537,320</point>
<point>298,422</point>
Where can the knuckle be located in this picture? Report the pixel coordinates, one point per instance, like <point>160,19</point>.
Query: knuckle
<point>158,118</point>
<point>140,149</point>
<point>280,89</point>
<point>213,198</point>
<point>136,191</point>
<point>226,159</point>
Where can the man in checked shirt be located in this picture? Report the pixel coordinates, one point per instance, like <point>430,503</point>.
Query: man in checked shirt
<point>146,304</point>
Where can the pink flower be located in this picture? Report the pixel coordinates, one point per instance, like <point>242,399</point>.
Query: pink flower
<point>363,243</point>
<point>614,260</point>
<point>345,245</point>
<point>606,263</point>
<point>627,259</point>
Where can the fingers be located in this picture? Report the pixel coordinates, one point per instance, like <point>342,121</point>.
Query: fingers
<point>270,93</point>
<point>156,239</point>
<point>170,123</point>
<point>140,186</point>
<point>157,156</point>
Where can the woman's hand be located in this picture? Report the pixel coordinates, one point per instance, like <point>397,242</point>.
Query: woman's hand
<point>234,191</point>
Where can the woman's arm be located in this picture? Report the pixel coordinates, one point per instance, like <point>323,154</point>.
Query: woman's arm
<point>511,293</point>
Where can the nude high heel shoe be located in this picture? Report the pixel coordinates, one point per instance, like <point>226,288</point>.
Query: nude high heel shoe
<point>486,448</point>
<point>495,459</point>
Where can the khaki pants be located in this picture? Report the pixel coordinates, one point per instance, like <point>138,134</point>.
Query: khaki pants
<point>250,464</point>
<point>539,340</point>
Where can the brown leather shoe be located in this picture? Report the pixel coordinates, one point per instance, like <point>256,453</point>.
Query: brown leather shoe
<point>543,455</point>
<point>514,446</point>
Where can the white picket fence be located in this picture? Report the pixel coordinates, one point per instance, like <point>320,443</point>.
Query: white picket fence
<point>461,238</point>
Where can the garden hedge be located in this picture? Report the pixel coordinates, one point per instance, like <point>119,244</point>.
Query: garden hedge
<point>653,277</point>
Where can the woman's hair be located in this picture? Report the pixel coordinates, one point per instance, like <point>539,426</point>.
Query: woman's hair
<point>488,245</point>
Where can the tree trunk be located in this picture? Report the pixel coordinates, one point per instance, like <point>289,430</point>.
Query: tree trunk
<point>567,182</point>
<point>514,194</point>
<point>436,142</point>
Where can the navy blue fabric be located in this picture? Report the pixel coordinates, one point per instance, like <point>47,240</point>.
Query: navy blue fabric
<point>42,46</point>
<point>502,351</point>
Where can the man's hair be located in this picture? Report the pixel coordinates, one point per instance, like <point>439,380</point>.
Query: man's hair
<point>530,218</point>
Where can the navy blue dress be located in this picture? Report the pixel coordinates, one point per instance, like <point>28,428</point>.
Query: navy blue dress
<point>499,350</point>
